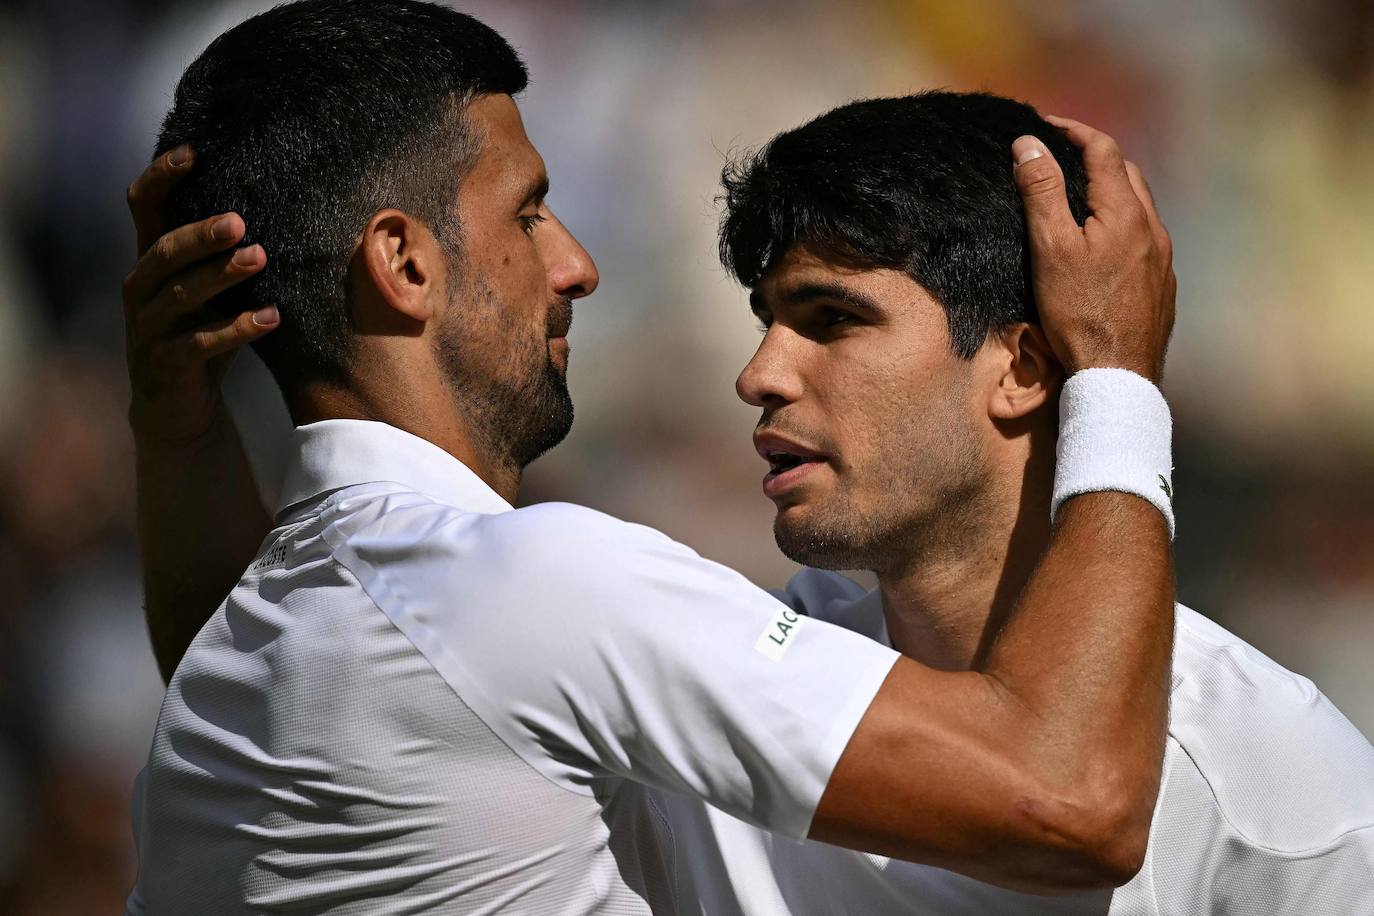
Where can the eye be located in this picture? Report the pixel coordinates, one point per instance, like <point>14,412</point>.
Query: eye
<point>527,223</point>
<point>830,317</point>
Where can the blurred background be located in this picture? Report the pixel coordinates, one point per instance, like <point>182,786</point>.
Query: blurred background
<point>1254,120</point>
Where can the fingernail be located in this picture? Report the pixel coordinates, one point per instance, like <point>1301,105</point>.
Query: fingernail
<point>1024,149</point>
<point>179,156</point>
<point>247,257</point>
<point>266,316</point>
<point>222,228</point>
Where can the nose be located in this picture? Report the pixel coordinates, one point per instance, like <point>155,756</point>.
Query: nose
<point>770,378</point>
<point>571,269</point>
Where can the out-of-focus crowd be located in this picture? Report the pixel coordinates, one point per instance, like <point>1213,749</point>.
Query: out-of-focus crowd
<point>1253,120</point>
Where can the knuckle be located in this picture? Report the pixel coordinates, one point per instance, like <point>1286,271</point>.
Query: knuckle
<point>163,249</point>
<point>179,294</point>
<point>1138,222</point>
<point>1039,178</point>
<point>200,342</point>
<point>1141,253</point>
<point>1056,246</point>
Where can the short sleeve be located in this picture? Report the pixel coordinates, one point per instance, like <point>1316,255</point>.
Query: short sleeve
<point>597,648</point>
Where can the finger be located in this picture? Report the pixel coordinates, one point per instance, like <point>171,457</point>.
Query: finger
<point>229,334</point>
<point>148,193</point>
<point>177,249</point>
<point>1041,183</point>
<point>192,288</point>
<point>1109,187</point>
<point>1147,200</point>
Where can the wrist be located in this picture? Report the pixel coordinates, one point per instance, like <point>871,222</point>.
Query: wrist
<point>1115,433</point>
<point>1143,365</point>
<point>154,435</point>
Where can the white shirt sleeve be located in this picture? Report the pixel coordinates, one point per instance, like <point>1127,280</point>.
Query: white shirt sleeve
<point>597,648</point>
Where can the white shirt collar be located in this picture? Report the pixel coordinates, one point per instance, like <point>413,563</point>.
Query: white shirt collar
<point>332,454</point>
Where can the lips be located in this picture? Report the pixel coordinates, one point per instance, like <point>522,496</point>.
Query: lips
<point>789,462</point>
<point>782,461</point>
<point>775,448</point>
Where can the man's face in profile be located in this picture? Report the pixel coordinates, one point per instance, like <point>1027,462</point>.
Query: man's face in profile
<point>870,421</point>
<point>504,344</point>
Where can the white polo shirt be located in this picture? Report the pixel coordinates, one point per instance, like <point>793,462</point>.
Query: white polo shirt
<point>1266,808</point>
<point>418,699</point>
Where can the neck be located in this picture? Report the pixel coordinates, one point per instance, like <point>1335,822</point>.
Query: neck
<point>433,417</point>
<point>945,606</point>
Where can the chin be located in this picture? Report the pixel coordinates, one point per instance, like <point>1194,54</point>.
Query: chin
<point>834,542</point>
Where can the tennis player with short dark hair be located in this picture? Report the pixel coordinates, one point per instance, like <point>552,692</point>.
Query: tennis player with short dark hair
<point>887,258</point>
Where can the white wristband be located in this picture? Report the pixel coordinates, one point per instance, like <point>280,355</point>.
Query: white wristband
<point>1114,434</point>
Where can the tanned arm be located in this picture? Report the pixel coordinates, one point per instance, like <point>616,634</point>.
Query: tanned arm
<point>1040,772</point>
<point>200,519</point>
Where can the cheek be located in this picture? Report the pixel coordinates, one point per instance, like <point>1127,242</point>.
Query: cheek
<point>899,423</point>
<point>870,401</point>
<point>510,261</point>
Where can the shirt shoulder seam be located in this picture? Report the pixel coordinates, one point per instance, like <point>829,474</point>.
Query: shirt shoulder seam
<point>335,557</point>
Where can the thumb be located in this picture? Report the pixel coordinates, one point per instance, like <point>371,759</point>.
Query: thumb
<point>1041,183</point>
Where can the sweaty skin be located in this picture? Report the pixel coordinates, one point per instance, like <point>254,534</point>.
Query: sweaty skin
<point>1037,772</point>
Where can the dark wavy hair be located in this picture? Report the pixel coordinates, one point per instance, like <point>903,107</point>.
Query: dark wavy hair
<point>920,183</point>
<point>309,118</point>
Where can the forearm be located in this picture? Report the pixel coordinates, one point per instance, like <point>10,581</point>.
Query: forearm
<point>200,523</point>
<point>1082,667</point>
<point>1038,773</point>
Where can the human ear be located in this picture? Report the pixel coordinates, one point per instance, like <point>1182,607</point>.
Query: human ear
<point>1027,372</point>
<point>399,261</point>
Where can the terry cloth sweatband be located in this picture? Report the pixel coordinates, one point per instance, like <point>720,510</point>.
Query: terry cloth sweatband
<point>1115,433</point>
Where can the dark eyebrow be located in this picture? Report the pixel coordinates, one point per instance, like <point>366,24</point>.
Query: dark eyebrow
<point>807,292</point>
<point>534,192</point>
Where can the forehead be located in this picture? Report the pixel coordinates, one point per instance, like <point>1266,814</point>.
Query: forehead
<point>804,273</point>
<point>507,161</point>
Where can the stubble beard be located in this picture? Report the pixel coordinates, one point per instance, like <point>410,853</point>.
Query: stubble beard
<point>518,417</point>
<point>917,518</point>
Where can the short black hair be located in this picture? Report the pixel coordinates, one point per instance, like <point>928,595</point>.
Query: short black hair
<point>920,183</point>
<point>309,118</point>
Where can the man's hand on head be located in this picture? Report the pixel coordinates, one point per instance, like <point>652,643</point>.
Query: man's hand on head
<point>200,517</point>
<point>176,369</point>
<point>1105,290</point>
